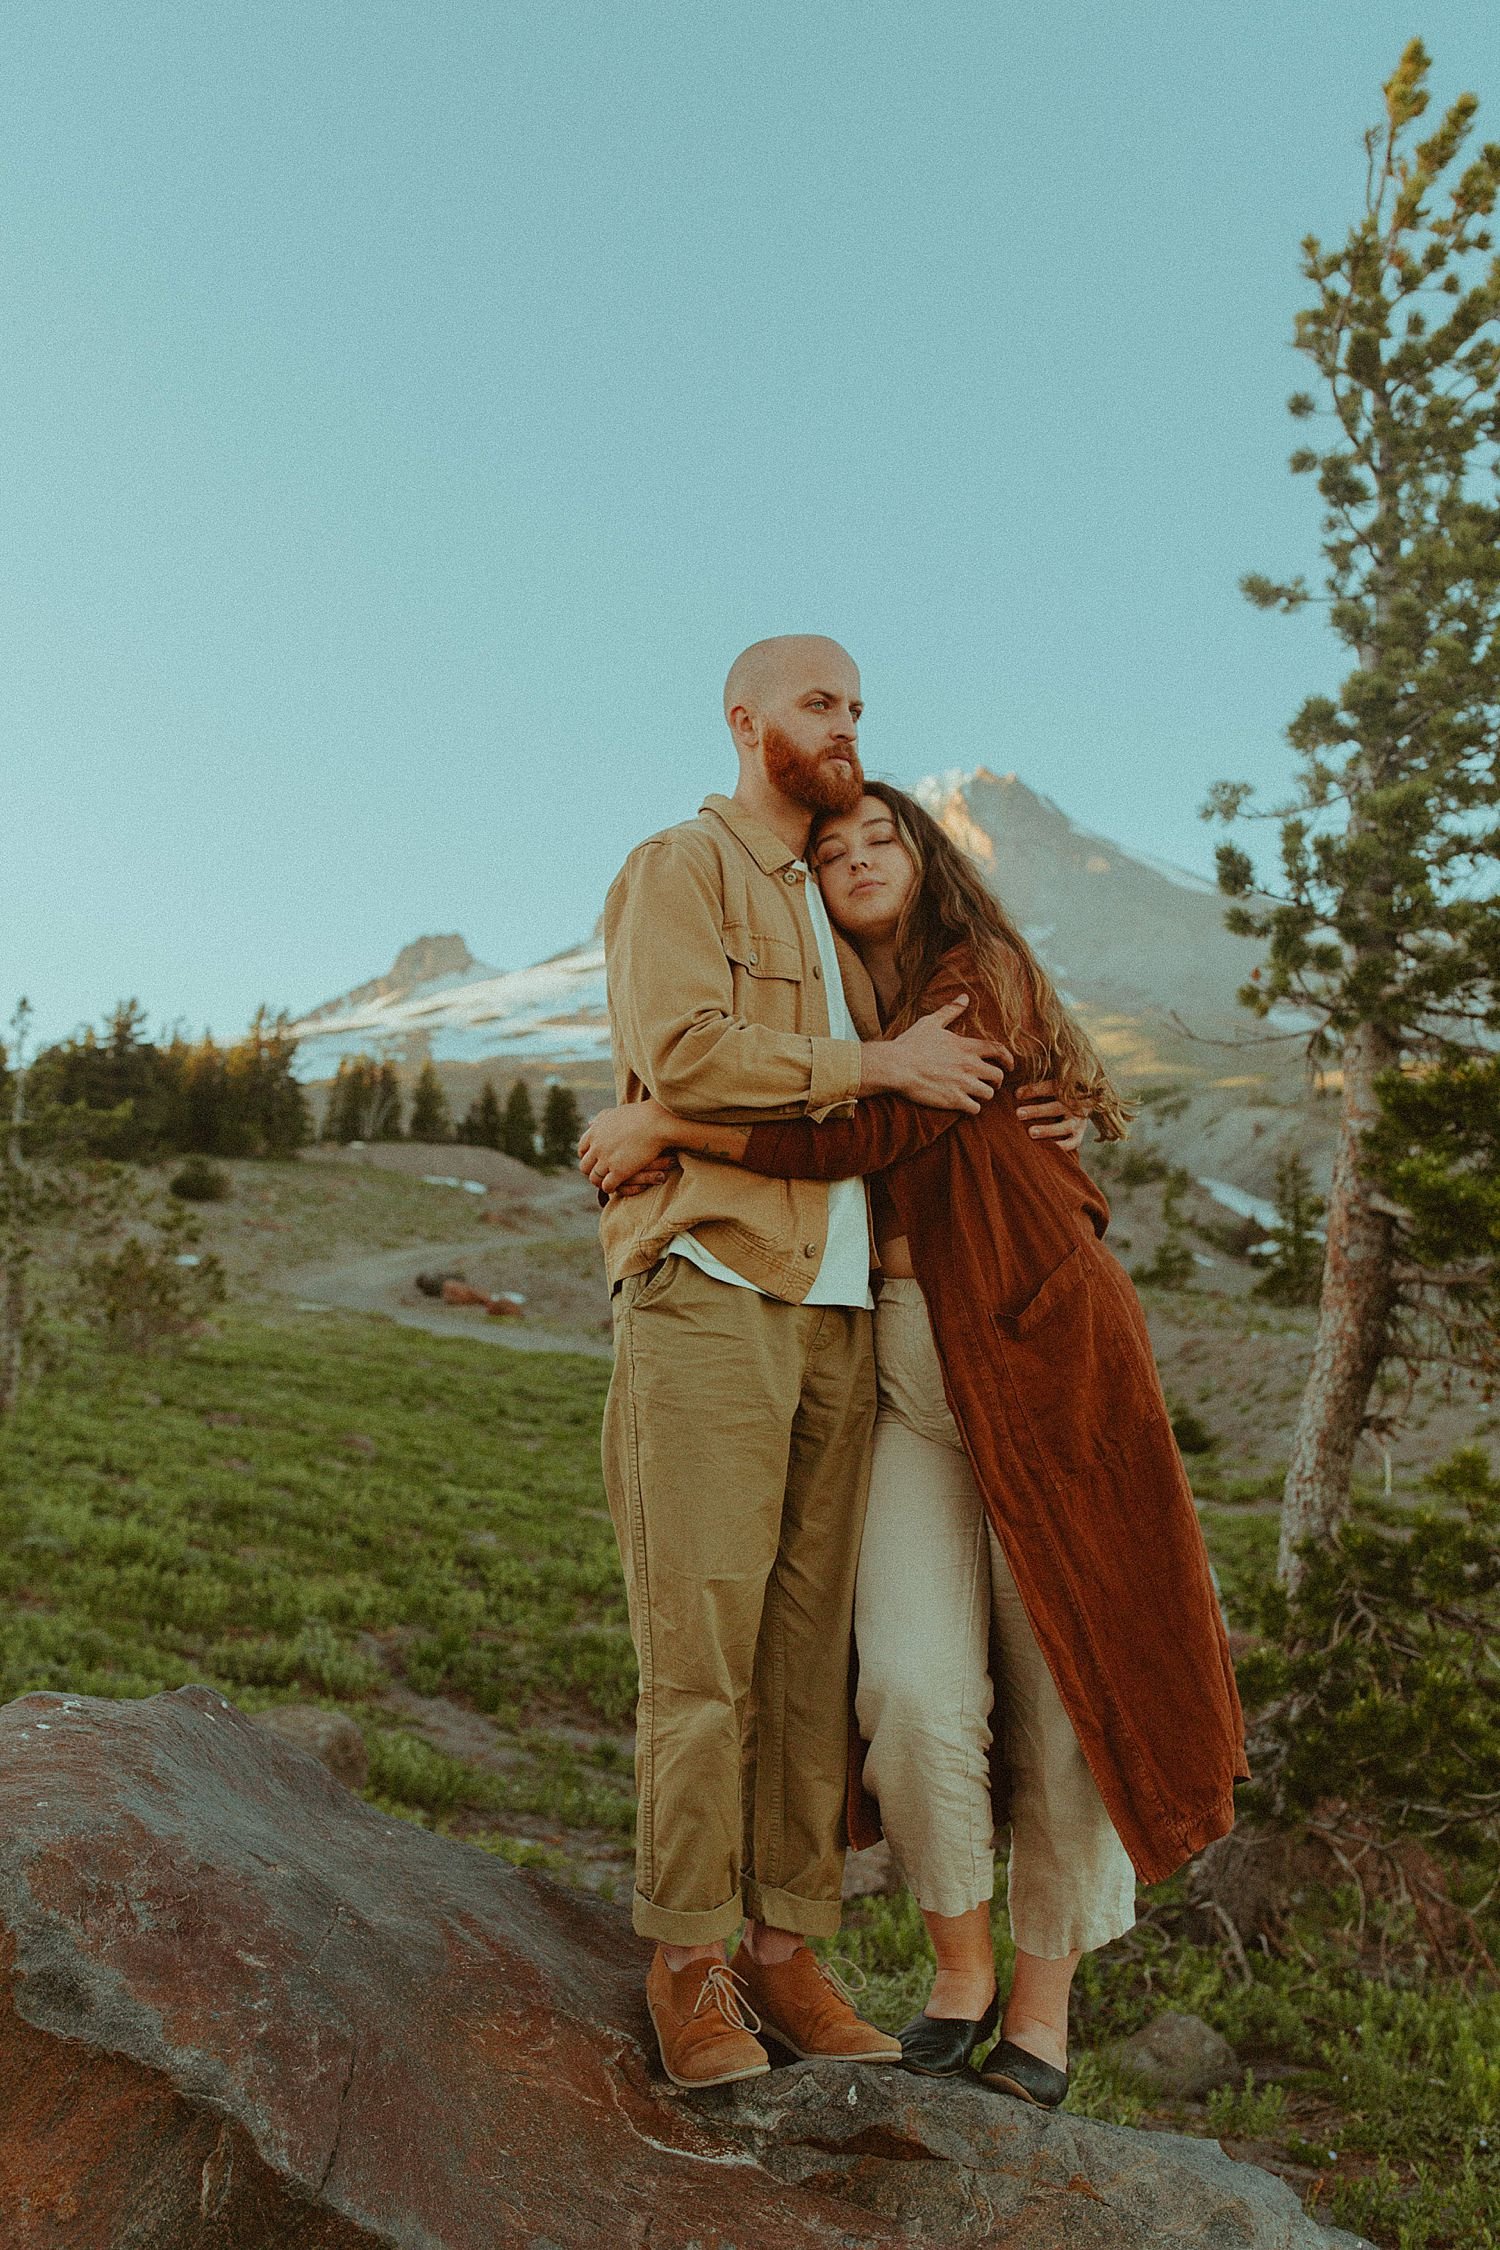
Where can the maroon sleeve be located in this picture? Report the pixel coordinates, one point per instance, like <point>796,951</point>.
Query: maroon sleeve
<point>883,1129</point>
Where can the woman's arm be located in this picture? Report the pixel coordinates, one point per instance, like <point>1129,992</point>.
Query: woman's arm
<point>883,1129</point>
<point>626,1146</point>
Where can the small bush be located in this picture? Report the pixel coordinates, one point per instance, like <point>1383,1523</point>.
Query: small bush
<point>1375,1685</point>
<point>201,1182</point>
<point>147,1295</point>
<point>408,1771</point>
<point>1193,1435</point>
<point>1139,1166</point>
<point>1248,2111</point>
<point>1171,1268</point>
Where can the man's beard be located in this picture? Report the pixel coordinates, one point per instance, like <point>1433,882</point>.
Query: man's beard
<point>810,778</point>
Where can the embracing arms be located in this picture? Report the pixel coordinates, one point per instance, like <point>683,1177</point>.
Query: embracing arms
<point>625,1148</point>
<point>672,1003</point>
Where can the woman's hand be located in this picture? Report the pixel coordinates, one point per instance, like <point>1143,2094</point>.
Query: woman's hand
<point>622,1145</point>
<point>1043,1114</point>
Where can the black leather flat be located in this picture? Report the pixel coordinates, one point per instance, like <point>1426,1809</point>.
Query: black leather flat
<point>938,2046</point>
<point>1013,2070</point>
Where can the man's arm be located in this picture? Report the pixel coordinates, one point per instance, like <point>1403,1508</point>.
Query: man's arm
<point>672,1000</point>
<point>671,992</point>
<point>622,1144</point>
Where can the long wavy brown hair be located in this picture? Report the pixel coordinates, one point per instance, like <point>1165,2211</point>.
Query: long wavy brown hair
<point>951,904</point>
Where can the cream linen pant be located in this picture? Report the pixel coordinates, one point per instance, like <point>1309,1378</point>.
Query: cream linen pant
<point>942,1639</point>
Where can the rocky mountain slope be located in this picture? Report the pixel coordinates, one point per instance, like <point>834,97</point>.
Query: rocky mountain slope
<point>1139,948</point>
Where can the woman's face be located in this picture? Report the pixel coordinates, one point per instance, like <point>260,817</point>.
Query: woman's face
<point>864,871</point>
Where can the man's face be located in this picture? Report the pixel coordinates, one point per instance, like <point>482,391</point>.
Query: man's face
<point>810,739</point>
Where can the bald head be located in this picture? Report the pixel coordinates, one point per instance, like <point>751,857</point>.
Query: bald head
<point>769,675</point>
<point>793,706</point>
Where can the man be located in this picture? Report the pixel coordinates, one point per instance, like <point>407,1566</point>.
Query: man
<point>736,1433</point>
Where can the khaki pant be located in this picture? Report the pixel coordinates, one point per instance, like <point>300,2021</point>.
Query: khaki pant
<point>736,1454</point>
<point>942,1638</point>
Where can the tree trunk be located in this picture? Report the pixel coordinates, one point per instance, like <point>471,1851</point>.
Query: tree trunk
<point>1353,1321</point>
<point>12,1331</point>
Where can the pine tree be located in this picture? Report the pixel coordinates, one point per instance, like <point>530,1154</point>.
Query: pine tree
<point>483,1124</point>
<point>119,1084</point>
<point>518,1131</point>
<point>203,1125</point>
<point>385,1104</point>
<point>267,1107</point>
<point>336,1106</point>
<point>430,1119</point>
<point>562,1126</point>
<point>364,1102</point>
<point>1384,922</point>
<point>346,1115</point>
<point>1293,1273</point>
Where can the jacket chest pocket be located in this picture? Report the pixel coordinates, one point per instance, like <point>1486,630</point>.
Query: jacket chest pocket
<point>767,976</point>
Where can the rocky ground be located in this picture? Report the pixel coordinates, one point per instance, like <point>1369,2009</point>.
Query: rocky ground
<point>244,2011</point>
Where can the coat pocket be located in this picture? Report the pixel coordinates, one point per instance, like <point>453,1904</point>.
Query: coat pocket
<point>761,955</point>
<point>1059,1286</point>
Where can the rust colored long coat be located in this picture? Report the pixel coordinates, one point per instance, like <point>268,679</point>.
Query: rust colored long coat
<point>1050,1376</point>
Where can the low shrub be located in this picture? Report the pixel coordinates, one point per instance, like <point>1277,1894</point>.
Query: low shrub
<point>147,1294</point>
<point>1375,1686</point>
<point>1172,1266</point>
<point>1192,1433</point>
<point>199,1181</point>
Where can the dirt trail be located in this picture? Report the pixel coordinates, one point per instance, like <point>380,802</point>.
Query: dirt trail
<point>383,1281</point>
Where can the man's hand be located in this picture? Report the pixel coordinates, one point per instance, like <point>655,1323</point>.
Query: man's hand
<point>1045,1118</point>
<point>937,1067</point>
<point>625,1146</point>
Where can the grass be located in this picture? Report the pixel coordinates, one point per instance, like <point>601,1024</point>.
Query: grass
<point>335,1509</point>
<point>322,1210</point>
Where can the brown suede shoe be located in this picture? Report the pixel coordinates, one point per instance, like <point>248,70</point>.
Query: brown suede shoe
<point>803,2006</point>
<point>701,2025</point>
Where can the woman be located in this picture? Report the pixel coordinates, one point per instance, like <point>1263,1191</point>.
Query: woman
<point>1030,1538</point>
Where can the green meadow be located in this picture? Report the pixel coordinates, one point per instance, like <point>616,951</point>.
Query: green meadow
<point>324,1507</point>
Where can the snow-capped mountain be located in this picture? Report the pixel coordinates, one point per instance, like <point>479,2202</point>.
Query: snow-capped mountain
<point>1121,934</point>
<point>1118,931</point>
<point>553,1013</point>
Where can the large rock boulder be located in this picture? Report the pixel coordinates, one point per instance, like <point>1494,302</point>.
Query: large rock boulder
<point>240,2009</point>
<point>1180,2057</point>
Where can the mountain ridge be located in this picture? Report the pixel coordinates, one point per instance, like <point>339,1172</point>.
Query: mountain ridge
<point>1119,932</point>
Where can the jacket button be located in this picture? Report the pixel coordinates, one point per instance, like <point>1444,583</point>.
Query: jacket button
<point>817,972</point>
<point>809,1249</point>
<point>791,876</point>
<point>754,960</point>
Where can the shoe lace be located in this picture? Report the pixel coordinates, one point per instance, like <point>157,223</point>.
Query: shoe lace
<point>722,1989</point>
<point>846,1977</point>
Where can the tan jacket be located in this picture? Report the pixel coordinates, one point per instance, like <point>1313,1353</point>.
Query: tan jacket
<point>717,1006</point>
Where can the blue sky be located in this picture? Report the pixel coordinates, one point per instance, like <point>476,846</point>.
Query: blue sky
<point>410,410</point>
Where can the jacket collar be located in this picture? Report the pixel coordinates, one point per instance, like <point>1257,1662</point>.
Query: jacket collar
<point>763,844</point>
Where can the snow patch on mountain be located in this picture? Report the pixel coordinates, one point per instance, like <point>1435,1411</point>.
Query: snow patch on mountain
<point>554,1012</point>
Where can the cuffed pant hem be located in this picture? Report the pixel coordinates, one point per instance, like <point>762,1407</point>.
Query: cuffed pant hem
<point>669,1927</point>
<point>1051,1943</point>
<point>784,1910</point>
<point>957,1899</point>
